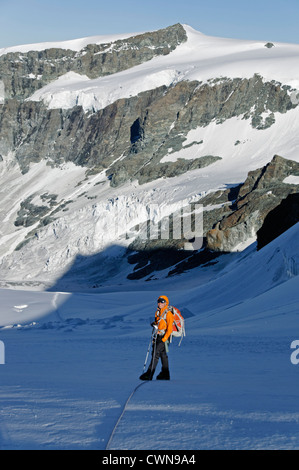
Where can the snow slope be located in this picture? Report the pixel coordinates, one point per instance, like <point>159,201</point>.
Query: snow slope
<point>72,361</point>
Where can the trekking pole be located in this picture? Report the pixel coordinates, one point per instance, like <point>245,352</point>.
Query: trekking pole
<point>155,328</point>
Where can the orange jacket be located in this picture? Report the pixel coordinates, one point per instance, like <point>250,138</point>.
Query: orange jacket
<point>164,320</point>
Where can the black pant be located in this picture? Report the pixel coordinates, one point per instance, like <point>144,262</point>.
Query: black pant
<point>158,352</point>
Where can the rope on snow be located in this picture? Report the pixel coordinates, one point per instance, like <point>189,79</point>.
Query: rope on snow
<point>121,415</point>
<point>135,390</point>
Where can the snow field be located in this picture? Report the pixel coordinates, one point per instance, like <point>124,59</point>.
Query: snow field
<point>72,363</point>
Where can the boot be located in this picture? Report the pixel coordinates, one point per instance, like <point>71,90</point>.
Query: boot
<point>148,375</point>
<point>164,375</point>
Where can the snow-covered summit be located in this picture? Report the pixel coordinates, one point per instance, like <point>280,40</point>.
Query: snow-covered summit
<point>200,58</point>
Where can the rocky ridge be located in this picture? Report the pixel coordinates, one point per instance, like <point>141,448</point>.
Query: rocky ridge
<point>263,190</point>
<point>239,217</point>
<point>24,73</point>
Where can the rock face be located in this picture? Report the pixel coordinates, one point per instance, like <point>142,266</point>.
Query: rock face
<point>130,137</point>
<point>263,190</point>
<point>280,219</point>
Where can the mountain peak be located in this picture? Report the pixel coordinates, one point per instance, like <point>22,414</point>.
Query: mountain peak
<point>155,118</point>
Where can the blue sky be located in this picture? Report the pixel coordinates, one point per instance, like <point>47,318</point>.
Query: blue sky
<point>30,21</point>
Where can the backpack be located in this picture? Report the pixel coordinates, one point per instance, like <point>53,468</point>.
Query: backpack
<point>178,327</point>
